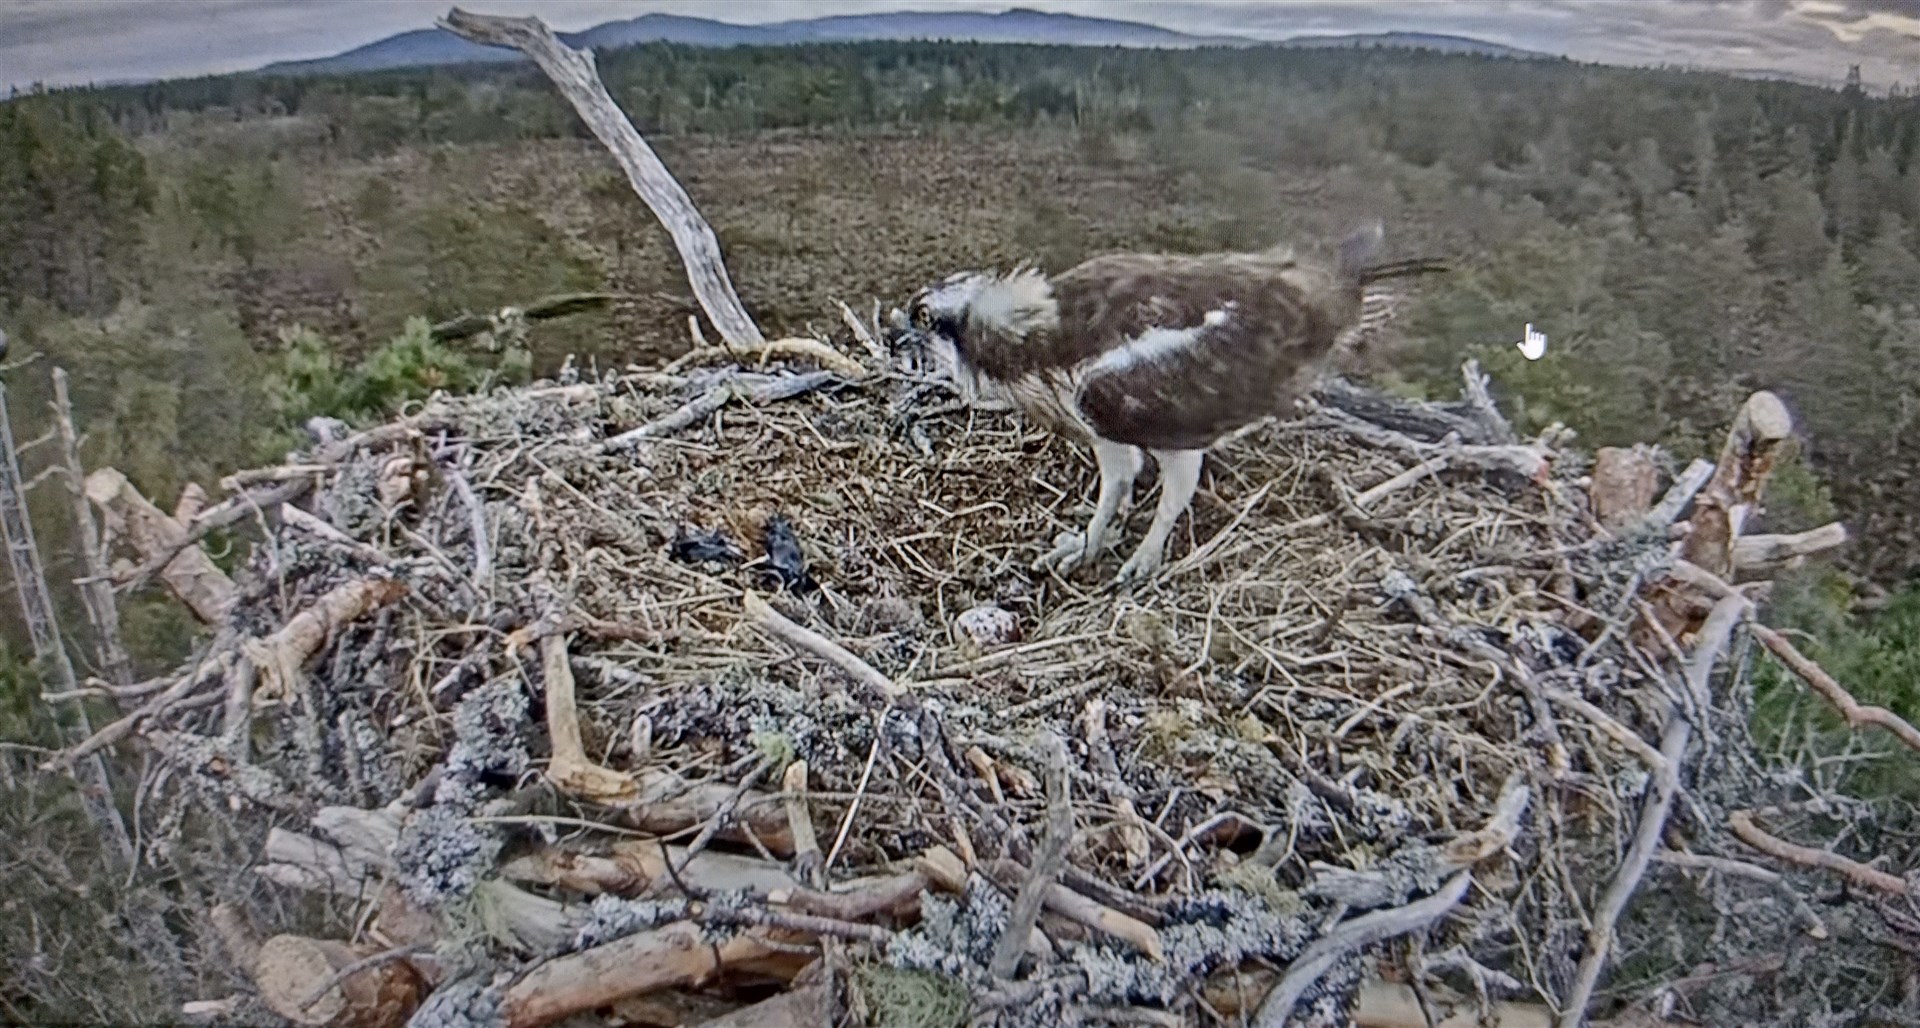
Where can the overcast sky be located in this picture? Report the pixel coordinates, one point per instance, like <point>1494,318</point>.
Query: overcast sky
<point>61,42</point>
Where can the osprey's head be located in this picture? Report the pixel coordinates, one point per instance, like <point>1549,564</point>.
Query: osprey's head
<point>952,318</point>
<point>938,313</point>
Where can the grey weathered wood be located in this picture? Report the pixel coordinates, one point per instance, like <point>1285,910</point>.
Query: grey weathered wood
<point>1426,422</point>
<point>574,72</point>
<point>97,590</point>
<point>36,604</point>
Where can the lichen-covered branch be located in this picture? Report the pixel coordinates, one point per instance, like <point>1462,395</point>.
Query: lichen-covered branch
<point>1277,1009</point>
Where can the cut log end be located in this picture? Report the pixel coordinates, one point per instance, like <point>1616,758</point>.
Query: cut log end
<point>1767,417</point>
<point>1625,481</point>
<point>290,969</point>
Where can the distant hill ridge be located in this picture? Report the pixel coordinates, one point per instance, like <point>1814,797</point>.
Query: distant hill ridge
<point>1018,25</point>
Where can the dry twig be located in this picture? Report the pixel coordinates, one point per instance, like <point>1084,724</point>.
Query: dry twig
<point>1817,679</point>
<point>1046,865</point>
<point>1741,821</point>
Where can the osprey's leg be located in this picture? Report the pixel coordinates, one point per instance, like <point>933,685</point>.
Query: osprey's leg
<point>1179,477</point>
<point>1119,465</point>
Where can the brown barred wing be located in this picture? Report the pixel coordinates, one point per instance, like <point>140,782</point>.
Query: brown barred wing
<point>1184,388</point>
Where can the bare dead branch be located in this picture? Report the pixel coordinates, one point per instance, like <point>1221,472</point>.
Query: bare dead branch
<point>279,657</point>
<point>814,350</point>
<point>574,73</point>
<point>1741,821</point>
<point>1088,913</point>
<point>1833,692</point>
<point>804,1006</point>
<point>211,520</point>
<point>96,593</point>
<point>184,568</point>
<point>1355,933</point>
<point>547,307</point>
<point>1746,462</point>
<point>1046,864</point>
<point>642,962</point>
<point>803,638</point>
<point>1756,552</point>
<point>1653,814</point>
<point>476,527</point>
<point>808,862</point>
<point>1725,865</point>
<point>1623,482</point>
<point>1679,494</point>
<point>569,769</point>
<point>1611,728</point>
<point>323,982</point>
<point>1473,389</point>
<point>693,411</point>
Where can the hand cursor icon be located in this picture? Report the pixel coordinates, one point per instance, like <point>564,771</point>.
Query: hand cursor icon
<point>1534,346</point>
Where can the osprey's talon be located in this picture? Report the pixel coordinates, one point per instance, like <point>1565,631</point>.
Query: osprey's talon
<point>1069,551</point>
<point>1139,568</point>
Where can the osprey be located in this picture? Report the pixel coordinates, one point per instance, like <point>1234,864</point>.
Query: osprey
<point>1151,353</point>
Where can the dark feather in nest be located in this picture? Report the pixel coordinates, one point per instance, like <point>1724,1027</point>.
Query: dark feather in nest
<point>699,546</point>
<point>786,565</point>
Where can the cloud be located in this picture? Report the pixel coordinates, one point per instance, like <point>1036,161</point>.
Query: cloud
<point>1897,22</point>
<point>62,42</point>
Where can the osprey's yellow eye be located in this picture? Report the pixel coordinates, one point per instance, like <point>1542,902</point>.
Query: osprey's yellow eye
<point>922,318</point>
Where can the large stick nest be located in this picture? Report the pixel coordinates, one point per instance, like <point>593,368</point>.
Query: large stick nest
<point>1330,701</point>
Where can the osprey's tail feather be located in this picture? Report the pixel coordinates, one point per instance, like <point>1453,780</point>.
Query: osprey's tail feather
<point>1399,269</point>
<point>1358,249</point>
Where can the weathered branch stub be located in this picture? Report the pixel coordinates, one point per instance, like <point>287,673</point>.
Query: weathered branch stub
<point>190,575</point>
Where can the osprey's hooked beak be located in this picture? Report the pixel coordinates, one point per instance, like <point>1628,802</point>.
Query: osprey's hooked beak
<point>906,345</point>
<point>909,340</point>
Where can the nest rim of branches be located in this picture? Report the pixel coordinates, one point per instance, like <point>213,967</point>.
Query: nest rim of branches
<point>544,622</point>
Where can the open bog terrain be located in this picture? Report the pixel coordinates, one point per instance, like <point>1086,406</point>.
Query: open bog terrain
<point>804,218</point>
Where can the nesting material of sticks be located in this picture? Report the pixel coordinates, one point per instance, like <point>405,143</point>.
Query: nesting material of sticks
<point>677,717</point>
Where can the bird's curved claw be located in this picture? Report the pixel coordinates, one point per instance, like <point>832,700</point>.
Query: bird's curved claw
<point>1069,552</point>
<point>1139,568</point>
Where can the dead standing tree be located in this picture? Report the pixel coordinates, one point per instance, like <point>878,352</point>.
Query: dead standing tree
<point>574,73</point>
<point>36,605</point>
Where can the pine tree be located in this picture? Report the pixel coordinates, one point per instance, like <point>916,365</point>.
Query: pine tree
<point>1793,237</point>
<point>1910,189</point>
<point>1846,198</point>
<point>1648,173</point>
<point>1889,271</point>
<point>1703,171</point>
